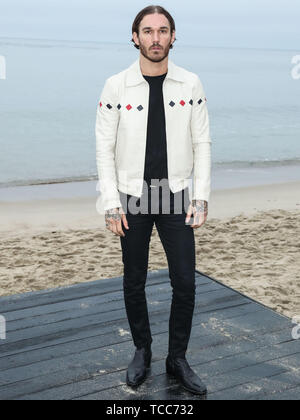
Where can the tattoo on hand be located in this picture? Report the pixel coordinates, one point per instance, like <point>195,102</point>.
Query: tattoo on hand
<point>112,214</point>
<point>200,206</point>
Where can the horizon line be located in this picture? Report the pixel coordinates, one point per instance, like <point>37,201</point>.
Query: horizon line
<point>125,43</point>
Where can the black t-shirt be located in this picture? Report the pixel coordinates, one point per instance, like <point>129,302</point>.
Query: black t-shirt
<point>156,166</point>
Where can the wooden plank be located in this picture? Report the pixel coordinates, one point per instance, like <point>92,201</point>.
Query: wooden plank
<point>112,386</point>
<point>107,344</point>
<point>45,314</point>
<point>217,299</point>
<point>74,343</point>
<point>209,347</point>
<point>290,394</point>
<point>119,333</point>
<point>77,291</point>
<point>266,384</point>
<point>114,337</point>
<point>160,388</point>
<point>107,381</point>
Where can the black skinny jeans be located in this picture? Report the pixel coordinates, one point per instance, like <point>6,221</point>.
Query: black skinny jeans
<point>179,244</point>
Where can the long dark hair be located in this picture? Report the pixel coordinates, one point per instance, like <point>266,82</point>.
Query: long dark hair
<point>149,10</point>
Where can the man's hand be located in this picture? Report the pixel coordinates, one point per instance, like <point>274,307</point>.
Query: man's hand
<point>113,221</point>
<point>197,213</point>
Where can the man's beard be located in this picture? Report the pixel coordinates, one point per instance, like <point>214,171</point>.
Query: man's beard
<point>155,59</point>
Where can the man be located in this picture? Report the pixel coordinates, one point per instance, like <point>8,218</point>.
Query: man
<point>152,125</point>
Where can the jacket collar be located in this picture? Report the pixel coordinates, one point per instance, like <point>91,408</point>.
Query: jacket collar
<point>134,75</point>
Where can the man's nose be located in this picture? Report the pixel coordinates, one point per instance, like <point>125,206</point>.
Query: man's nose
<point>155,37</point>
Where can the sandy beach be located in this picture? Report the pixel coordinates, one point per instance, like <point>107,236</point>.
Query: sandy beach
<point>250,242</point>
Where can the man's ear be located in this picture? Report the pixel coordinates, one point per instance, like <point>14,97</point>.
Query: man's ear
<point>173,37</point>
<point>135,38</point>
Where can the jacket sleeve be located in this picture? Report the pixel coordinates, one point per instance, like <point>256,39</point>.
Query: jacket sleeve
<point>201,144</point>
<point>107,120</point>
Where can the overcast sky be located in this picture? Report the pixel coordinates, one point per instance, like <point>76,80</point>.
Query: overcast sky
<point>231,23</point>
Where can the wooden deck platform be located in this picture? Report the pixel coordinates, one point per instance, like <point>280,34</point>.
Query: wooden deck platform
<point>74,343</point>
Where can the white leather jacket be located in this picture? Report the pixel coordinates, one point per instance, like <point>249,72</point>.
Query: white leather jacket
<point>121,134</point>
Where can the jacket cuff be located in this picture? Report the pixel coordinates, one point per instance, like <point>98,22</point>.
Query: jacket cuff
<point>111,204</point>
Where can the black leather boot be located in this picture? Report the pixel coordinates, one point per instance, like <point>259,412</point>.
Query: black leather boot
<point>180,368</point>
<point>137,369</point>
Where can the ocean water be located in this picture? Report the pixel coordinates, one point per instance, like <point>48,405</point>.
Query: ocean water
<point>49,98</point>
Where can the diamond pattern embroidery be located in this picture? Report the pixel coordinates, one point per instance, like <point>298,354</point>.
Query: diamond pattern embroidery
<point>182,103</point>
<point>200,101</point>
<point>140,107</point>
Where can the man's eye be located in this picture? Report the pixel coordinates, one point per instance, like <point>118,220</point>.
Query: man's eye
<point>163,30</point>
